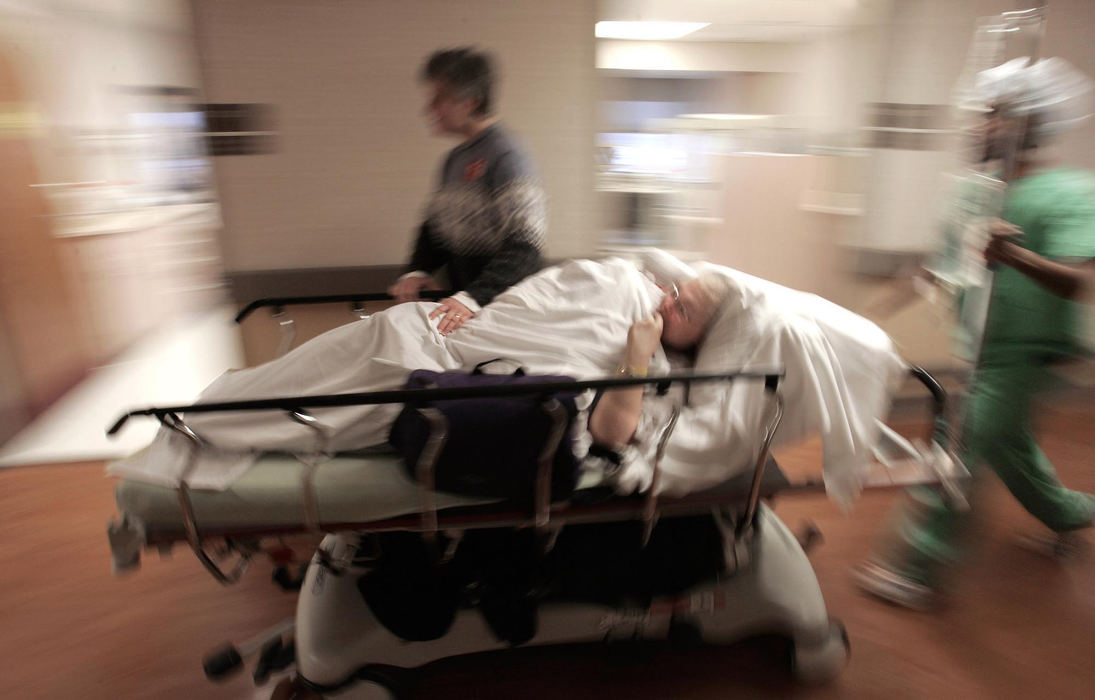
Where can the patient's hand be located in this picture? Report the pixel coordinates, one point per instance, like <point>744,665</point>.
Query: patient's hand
<point>616,417</point>
<point>408,288</point>
<point>643,339</point>
<point>453,315</point>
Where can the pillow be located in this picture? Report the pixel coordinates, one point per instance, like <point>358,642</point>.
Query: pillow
<point>665,268</point>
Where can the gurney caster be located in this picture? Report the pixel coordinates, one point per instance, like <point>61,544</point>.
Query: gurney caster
<point>291,689</point>
<point>375,689</point>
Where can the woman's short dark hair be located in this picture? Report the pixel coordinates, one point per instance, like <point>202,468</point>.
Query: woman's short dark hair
<point>469,73</point>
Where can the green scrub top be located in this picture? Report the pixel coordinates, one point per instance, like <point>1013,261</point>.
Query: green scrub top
<point>1056,211</point>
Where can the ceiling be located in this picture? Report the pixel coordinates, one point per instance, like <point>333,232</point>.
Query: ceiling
<point>749,20</point>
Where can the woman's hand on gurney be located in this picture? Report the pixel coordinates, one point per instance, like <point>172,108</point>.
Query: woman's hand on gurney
<point>453,315</point>
<point>408,288</point>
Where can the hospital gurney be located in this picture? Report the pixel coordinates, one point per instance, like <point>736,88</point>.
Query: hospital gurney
<point>601,568</point>
<point>396,555</point>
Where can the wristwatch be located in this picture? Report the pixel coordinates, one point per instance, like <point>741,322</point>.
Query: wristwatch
<point>631,371</point>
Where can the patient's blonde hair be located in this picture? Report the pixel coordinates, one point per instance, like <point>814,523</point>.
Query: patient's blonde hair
<point>715,289</point>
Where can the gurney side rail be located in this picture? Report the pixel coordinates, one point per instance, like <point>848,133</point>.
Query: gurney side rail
<point>762,459</point>
<point>940,430</point>
<point>279,303</point>
<point>295,403</point>
<point>186,506</point>
<point>288,325</point>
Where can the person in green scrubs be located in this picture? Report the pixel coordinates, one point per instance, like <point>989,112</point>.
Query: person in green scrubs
<point>1042,250</point>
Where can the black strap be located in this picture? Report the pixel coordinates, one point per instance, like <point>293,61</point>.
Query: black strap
<point>598,450</point>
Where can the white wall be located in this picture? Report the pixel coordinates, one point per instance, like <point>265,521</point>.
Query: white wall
<point>1070,34</point>
<point>838,74</point>
<point>354,161</point>
<point>927,42</point>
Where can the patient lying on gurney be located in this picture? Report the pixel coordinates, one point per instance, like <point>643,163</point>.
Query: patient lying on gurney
<point>576,319</point>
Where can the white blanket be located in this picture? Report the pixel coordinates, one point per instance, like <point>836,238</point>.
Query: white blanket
<point>570,319</point>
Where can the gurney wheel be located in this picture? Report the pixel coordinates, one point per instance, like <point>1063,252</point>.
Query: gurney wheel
<point>289,689</point>
<point>376,689</point>
<point>820,663</point>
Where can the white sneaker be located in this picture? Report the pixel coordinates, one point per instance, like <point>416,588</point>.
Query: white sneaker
<point>893,587</point>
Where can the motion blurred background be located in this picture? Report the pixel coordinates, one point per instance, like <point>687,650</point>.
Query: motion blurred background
<point>164,157</point>
<point>164,162</point>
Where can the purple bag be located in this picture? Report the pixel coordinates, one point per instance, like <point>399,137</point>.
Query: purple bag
<point>493,443</point>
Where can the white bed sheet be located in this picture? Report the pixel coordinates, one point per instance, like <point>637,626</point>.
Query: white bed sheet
<point>841,371</point>
<point>570,319</point>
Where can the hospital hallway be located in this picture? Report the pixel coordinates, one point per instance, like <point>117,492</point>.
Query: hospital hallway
<point>1020,626</point>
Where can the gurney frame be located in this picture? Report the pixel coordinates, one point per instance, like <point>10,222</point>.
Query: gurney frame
<point>544,515</point>
<point>768,582</point>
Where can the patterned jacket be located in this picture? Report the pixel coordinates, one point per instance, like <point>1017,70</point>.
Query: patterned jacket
<point>487,220</point>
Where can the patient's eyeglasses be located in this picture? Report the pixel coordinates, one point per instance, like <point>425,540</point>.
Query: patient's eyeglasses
<point>681,308</point>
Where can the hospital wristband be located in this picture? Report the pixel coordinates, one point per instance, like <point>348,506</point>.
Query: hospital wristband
<point>631,371</point>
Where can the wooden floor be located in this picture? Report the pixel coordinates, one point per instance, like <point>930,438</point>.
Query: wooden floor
<point>1019,626</point>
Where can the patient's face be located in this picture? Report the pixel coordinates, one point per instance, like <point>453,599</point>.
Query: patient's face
<point>685,315</point>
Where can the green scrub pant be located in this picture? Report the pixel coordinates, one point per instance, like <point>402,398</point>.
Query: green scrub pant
<point>998,432</point>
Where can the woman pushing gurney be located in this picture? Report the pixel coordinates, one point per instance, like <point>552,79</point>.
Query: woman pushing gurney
<point>714,560</point>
